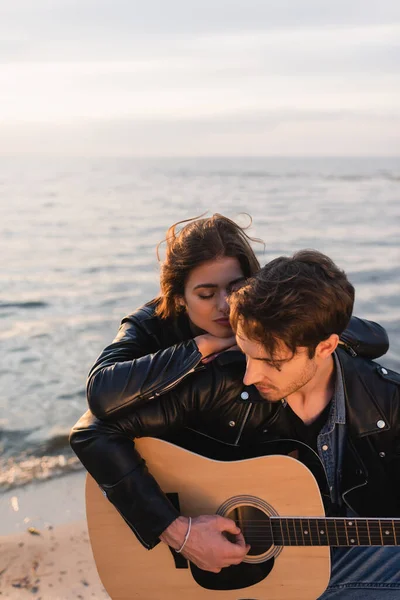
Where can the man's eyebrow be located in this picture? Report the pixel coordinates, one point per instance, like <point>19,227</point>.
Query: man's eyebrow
<point>269,360</point>
<point>214,285</point>
<point>273,360</point>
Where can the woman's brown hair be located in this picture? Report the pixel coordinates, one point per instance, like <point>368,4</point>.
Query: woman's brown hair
<point>200,240</point>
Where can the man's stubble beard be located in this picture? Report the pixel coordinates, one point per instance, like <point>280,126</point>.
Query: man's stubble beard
<point>304,378</point>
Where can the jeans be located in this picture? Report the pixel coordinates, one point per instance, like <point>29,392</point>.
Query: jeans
<point>365,573</point>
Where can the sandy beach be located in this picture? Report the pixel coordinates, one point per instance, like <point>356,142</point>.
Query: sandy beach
<point>44,546</point>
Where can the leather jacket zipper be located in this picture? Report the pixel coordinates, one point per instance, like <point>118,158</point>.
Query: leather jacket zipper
<point>171,385</point>
<point>103,489</point>
<point>174,383</point>
<point>246,416</point>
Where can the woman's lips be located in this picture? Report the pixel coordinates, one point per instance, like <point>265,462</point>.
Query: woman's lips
<point>224,322</point>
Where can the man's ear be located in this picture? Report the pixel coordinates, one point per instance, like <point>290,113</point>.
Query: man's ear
<point>327,347</point>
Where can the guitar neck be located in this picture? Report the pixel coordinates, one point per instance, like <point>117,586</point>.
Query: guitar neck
<point>333,531</point>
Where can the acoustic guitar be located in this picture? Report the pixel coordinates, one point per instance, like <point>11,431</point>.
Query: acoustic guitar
<point>276,502</point>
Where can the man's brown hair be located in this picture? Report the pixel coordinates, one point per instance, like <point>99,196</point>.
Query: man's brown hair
<point>299,300</point>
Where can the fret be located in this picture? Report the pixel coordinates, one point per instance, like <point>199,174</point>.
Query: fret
<point>341,532</point>
<point>305,532</point>
<point>363,533</point>
<point>352,532</point>
<point>282,532</point>
<point>264,531</point>
<point>396,527</point>
<point>336,529</point>
<point>299,532</point>
<point>345,529</point>
<point>314,534</point>
<point>277,531</point>
<point>375,532</point>
<point>295,532</point>
<point>323,532</point>
<point>387,532</point>
<point>332,532</point>
<point>285,533</point>
<point>380,530</point>
<point>291,532</point>
<point>394,531</point>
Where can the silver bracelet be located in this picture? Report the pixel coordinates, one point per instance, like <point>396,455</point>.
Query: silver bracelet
<point>186,536</point>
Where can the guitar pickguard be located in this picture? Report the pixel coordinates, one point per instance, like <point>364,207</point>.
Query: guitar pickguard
<point>235,577</point>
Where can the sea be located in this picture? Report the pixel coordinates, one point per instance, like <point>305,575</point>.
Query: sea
<point>78,252</point>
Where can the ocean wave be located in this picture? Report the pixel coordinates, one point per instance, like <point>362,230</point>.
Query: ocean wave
<point>16,473</point>
<point>28,304</point>
<point>39,460</point>
<point>33,443</point>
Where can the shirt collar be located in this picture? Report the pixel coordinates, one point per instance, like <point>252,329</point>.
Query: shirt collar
<point>337,414</point>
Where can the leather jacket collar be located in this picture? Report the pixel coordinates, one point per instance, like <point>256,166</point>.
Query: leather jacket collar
<point>364,415</point>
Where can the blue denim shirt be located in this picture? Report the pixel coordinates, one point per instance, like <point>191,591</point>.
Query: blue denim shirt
<point>331,438</point>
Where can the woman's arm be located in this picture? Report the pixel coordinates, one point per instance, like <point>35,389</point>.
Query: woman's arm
<point>365,338</point>
<point>107,450</point>
<point>145,360</point>
<point>108,453</point>
<point>136,367</point>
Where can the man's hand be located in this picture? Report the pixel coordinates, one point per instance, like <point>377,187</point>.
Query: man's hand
<point>207,546</point>
<point>211,345</point>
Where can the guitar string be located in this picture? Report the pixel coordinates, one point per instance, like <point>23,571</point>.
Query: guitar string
<point>315,531</point>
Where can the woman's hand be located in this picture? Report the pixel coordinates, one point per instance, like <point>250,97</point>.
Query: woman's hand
<point>211,345</point>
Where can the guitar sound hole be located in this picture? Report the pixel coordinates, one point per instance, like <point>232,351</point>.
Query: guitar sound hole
<point>255,526</point>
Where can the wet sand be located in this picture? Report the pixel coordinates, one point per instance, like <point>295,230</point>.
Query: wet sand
<point>45,552</point>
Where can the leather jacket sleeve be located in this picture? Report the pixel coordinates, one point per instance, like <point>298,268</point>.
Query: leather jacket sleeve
<point>108,453</point>
<point>134,369</point>
<point>365,338</point>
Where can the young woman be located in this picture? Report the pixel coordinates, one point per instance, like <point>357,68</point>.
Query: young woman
<point>164,341</point>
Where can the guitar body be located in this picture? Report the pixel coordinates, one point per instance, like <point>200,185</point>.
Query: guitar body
<point>261,486</point>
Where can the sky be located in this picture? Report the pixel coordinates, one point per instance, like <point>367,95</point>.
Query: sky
<point>200,78</point>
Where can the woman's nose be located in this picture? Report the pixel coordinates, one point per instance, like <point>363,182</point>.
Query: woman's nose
<point>223,305</point>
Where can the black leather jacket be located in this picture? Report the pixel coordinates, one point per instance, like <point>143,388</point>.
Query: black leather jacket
<point>210,401</point>
<point>150,356</point>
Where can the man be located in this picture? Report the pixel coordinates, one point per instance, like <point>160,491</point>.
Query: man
<point>298,384</point>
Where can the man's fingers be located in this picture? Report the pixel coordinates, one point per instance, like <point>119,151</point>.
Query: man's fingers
<point>237,555</point>
<point>240,541</point>
<point>227,525</point>
<point>237,551</point>
<point>235,561</point>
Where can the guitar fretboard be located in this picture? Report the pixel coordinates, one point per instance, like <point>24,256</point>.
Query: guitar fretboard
<point>333,531</point>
